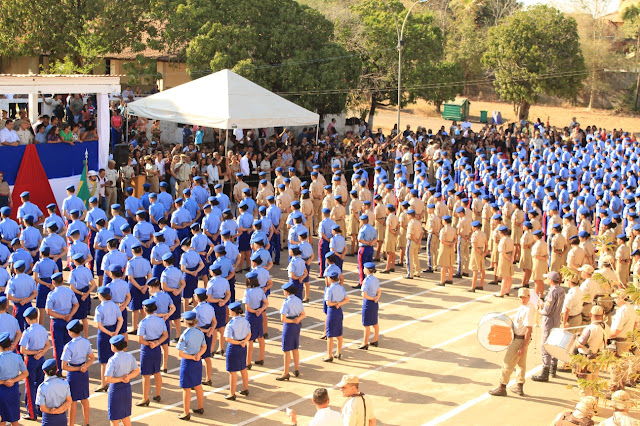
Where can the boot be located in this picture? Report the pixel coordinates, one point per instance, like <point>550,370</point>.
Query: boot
<point>543,376</point>
<point>499,391</point>
<point>553,370</point>
<point>518,390</point>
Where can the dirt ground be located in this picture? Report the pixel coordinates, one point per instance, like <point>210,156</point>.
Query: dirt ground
<point>429,368</point>
<point>424,114</point>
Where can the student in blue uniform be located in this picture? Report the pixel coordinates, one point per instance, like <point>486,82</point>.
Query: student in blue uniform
<point>77,357</point>
<point>191,347</point>
<point>30,237</point>
<point>138,272</point>
<point>128,241</point>
<point>113,257</point>
<point>93,216</point>
<point>61,306</point>
<point>165,309</point>
<point>12,372</point>
<point>338,245</point>
<point>103,235</point>
<point>34,343</point>
<point>160,248</point>
<point>306,253</point>
<point>203,246</point>
<point>370,296</point>
<point>54,396</point>
<point>219,294</point>
<point>181,219</point>
<point>144,231</point>
<point>237,334</point>
<point>19,253</point>
<point>108,319</point>
<point>336,297</point>
<point>78,247</point>
<point>120,295</point>
<point>226,265</point>
<point>297,270</point>
<point>367,239</point>
<point>116,222</point>
<point>172,280</point>
<point>245,222</point>
<point>42,272</point>
<point>191,264</point>
<point>324,235</point>
<point>256,304</point>
<point>121,368</point>
<point>291,314</point>
<point>152,332</point>
<point>82,284</point>
<point>206,316</point>
<point>21,290</point>
<point>55,243</point>
<point>274,213</point>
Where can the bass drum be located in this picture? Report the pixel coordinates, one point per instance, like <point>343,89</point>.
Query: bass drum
<point>495,332</point>
<point>561,344</point>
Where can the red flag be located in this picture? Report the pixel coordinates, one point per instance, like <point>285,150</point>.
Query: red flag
<point>32,178</point>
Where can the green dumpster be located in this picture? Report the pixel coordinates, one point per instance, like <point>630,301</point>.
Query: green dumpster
<point>483,116</point>
<point>456,110</point>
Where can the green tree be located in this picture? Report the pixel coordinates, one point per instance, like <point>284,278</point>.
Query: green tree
<point>534,52</point>
<point>74,33</point>
<point>279,44</point>
<point>631,17</point>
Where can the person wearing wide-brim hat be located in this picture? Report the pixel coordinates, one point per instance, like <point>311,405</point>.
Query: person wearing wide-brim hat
<point>291,314</point>
<point>370,297</point>
<point>121,368</point>
<point>237,334</point>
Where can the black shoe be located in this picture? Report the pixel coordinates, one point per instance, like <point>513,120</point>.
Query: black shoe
<point>230,397</point>
<point>276,263</point>
<point>324,337</point>
<point>374,343</point>
<point>466,274</point>
<point>305,300</point>
<point>157,398</point>
<point>356,286</point>
<point>185,417</point>
<point>142,403</point>
<point>296,373</point>
<point>428,271</point>
<point>134,332</point>
<point>471,290</point>
<point>249,367</point>
<point>408,277</point>
<point>479,288</point>
<point>364,347</point>
<point>244,392</point>
<point>199,411</point>
<point>338,356</point>
<point>102,388</point>
<point>328,359</point>
<point>392,269</point>
<point>175,340</point>
<point>457,276</point>
<point>27,417</point>
<point>385,272</point>
<point>207,383</point>
<point>283,378</point>
<point>448,282</point>
<point>266,336</point>
<point>260,362</point>
<point>164,370</point>
<point>95,297</point>
<point>440,284</point>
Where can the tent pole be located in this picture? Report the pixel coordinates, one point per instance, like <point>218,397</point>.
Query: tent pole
<point>226,159</point>
<point>127,114</point>
<point>318,130</point>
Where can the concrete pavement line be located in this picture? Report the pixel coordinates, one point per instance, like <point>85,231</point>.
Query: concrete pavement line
<point>318,355</point>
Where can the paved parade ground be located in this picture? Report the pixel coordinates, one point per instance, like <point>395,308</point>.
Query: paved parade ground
<point>429,368</point>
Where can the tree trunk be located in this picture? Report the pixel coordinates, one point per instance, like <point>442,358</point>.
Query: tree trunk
<point>438,105</point>
<point>523,110</point>
<point>592,89</point>
<point>372,109</point>
<point>638,70</point>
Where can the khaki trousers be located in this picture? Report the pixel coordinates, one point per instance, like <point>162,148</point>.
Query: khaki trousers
<point>413,262</point>
<point>513,360</point>
<point>181,186</point>
<point>111,194</point>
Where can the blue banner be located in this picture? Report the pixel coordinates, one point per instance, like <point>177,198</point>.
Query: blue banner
<point>58,160</point>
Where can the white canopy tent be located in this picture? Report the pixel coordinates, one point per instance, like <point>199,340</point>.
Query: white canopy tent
<point>223,100</point>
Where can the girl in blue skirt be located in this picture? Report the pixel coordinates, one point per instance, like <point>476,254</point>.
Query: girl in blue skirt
<point>206,316</point>
<point>370,296</point>
<point>12,372</point>
<point>237,333</point>
<point>191,347</point>
<point>219,294</point>
<point>108,321</point>
<point>77,357</point>
<point>160,248</point>
<point>173,283</point>
<point>42,272</point>
<point>245,223</point>
<point>256,303</point>
<point>191,264</point>
<point>292,313</point>
<point>152,332</point>
<point>54,396</point>
<point>336,297</point>
<point>165,310</point>
<point>121,368</point>
<point>82,284</point>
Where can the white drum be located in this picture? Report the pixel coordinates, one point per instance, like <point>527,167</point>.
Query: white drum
<point>495,332</point>
<point>560,344</point>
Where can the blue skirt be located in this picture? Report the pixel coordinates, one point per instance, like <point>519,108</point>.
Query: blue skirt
<point>290,336</point>
<point>257,325</point>
<point>84,306</point>
<point>125,320</point>
<point>150,360</point>
<point>146,251</point>
<point>207,341</point>
<point>299,288</point>
<point>104,347</point>
<point>98,262</point>
<point>137,297</point>
<point>157,271</point>
<point>334,322</point>
<point>10,403</point>
<point>119,402</point>
<point>369,313</point>
<point>190,373</point>
<point>54,419</point>
<point>78,383</point>
<point>221,315</point>
<point>43,292</point>
<point>244,241</point>
<point>205,270</point>
<point>191,284</point>
<point>177,302</point>
<point>236,357</point>
<point>232,290</point>
<point>307,278</point>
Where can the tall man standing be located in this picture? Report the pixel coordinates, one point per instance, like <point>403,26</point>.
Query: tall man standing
<point>551,312</point>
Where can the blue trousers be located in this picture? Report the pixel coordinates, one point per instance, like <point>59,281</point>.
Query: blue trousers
<point>365,254</point>
<point>276,246</point>
<point>60,338</point>
<point>429,255</point>
<point>35,378</point>
<point>323,249</point>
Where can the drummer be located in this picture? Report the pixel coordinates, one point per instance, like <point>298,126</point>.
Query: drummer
<point>517,351</point>
<point>622,324</point>
<point>550,311</point>
<point>589,288</point>
<point>572,306</point>
<point>591,341</point>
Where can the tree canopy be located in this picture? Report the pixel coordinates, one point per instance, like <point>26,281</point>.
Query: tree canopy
<point>534,52</point>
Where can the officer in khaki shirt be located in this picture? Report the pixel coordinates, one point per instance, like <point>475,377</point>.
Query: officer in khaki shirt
<point>289,190</point>
<point>486,215</point>
<point>238,196</point>
<point>182,171</point>
<point>328,201</point>
<point>479,247</point>
<point>558,247</point>
<point>414,237</point>
<point>355,206</point>
<point>576,255</point>
<point>446,251</point>
<point>295,183</point>
<point>306,207</point>
<point>391,237</point>
<point>315,189</point>
<point>476,205</point>
<point>279,177</point>
<point>339,213</point>
<point>464,236</point>
<point>283,201</point>
<point>110,190</point>
<point>434,224</point>
<point>389,197</point>
<point>263,193</point>
<point>623,259</point>
<point>417,204</point>
<point>441,207</point>
<point>364,193</point>
<point>338,189</point>
<point>127,173</point>
<point>380,214</point>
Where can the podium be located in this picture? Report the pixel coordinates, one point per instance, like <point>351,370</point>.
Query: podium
<point>136,184</point>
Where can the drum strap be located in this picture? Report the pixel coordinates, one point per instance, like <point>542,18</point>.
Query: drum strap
<point>364,404</point>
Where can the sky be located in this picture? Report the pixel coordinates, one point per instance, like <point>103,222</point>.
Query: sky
<point>567,4</point>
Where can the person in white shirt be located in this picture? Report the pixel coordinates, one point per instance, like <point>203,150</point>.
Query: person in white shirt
<point>325,416</point>
<point>572,306</point>
<point>622,323</point>
<point>8,136</point>
<point>244,164</point>
<point>24,133</point>
<point>358,410</point>
<point>589,288</point>
<point>239,134</point>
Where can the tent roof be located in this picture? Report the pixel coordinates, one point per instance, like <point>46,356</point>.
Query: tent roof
<point>223,100</point>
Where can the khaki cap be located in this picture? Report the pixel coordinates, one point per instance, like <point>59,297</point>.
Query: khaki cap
<point>348,380</point>
<point>523,292</point>
<point>621,400</point>
<point>597,310</point>
<point>586,268</point>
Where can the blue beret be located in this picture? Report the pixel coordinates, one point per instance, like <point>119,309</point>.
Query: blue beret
<point>30,310</point>
<point>147,185</point>
<point>129,189</point>
<point>460,209</point>
<point>71,324</point>
<point>140,212</point>
<point>252,275</point>
<point>116,206</point>
<point>503,228</point>
<point>239,175</point>
<point>246,190</point>
<point>164,184</point>
<point>411,211</point>
<point>189,315</point>
<point>621,236</point>
<point>294,247</point>
<point>364,217</point>
<point>167,256</point>
<point>334,275</point>
<point>447,217</point>
<point>194,225</point>
<point>49,365</point>
<point>329,254</point>
<point>557,226</point>
<point>4,337</point>
<point>78,256</point>
<point>537,232</point>
<point>5,211</point>
<point>235,305</point>
<point>19,264</point>
<point>185,241</point>
<point>149,302</point>
<point>370,265</point>
<point>225,232</point>
<point>326,210</point>
<point>219,248</point>
<point>271,198</point>
<point>289,286</point>
<point>125,227</point>
<point>104,290</point>
<point>476,224</point>
<point>279,169</point>
<point>496,216</point>
<point>116,339</point>
<point>255,256</point>
<point>71,188</point>
<point>115,268</point>
<point>200,290</point>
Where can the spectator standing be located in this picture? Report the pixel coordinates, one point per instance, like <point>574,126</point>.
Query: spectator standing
<point>325,416</point>
<point>358,410</point>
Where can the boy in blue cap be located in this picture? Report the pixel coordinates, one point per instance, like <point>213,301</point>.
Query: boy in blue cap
<point>367,239</point>
<point>53,397</point>
<point>34,343</point>
<point>12,372</point>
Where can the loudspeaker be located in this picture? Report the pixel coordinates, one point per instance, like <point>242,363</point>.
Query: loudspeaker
<point>121,154</point>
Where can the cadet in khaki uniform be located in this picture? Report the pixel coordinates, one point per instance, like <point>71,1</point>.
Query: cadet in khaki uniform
<point>338,213</point>
<point>486,215</point>
<point>517,219</point>
<point>417,204</point>
<point>507,209</point>
<point>283,202</point>
<point>623,259</point>
<point>355,206</point>
<point>295,183</point>
<point>338,189</point>
<point>391,238</point>
<point>389,197</point>
<point>238,188</point>
<point>494,239</point>
<point>505,260</point>
<point>441,207</point>
<point>380,213</point>
<point>516,355</point>
<point>533,218</point>
<point>403,222</point>
<point>414,237</point>
<point>182,171</point>
<point>540,261</point>
<point>456,204</point>
<point>587,246</point>
<point>315,189</point>
<point>476,205</point>
<point>575,257</point>
<point>306,207</point>
<point>434,224</point>
<point>364,193</point>
<point>446,251</point>
<point>464,236</point>
<point>558,247</point>
<point>263,193</point>
<point>279,177</point>
<point>328,201</point>
<point>526,262</point>
<point>479,247</point>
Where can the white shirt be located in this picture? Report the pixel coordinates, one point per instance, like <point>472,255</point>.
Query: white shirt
<point>7,135</point>
<point>102,181</point>
<point>244,166</point>
<point>573,301</point>
<point>238,133</point>
<point>590,287</point>
<point>326,417</point>
<point>623,320</point>
<point>160,166</point>
<point>353,411</point>
<point>212,173</point>
<point>525,317</point>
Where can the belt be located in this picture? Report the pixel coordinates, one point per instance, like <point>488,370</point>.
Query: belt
<point>518,337</point>
<point>292,318</point>
<point>576,315</point>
